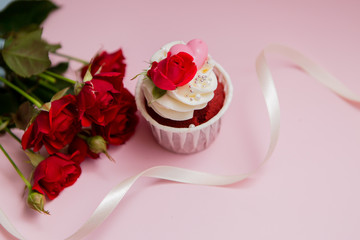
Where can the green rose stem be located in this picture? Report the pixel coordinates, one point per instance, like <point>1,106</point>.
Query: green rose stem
<point>71,58</point>
<point>45,84</point>
<point>43,81</point>
<point>47,78</point>
<point>13,135</point>
<point>22,86</point>
<point>51,74</point>
<point>8,130</point>
<point>35,199</point>
<point>22,92</point>
<point>35,158</point>
<point>27,183</point>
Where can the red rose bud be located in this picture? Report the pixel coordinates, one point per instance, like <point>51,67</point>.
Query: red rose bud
<point>98,99</point>
<point>97,144</point>
<point>54,129</point>
<point>55,173</point>
<point>37,201</point>
<point>80,145</point>
<point>105,62</point>
<point>173,71</point>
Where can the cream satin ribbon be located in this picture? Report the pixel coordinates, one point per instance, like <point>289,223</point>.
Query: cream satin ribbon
<point>175,174</point>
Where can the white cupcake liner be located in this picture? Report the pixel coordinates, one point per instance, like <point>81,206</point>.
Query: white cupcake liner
<point>187,140</point>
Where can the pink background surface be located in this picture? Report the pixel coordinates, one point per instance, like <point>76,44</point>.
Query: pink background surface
<point>310,187</point>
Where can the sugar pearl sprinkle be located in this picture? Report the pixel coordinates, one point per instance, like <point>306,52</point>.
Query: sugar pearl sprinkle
<point>201,81</point>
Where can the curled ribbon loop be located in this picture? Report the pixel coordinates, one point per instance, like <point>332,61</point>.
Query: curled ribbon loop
<point>4,221</point>
<point>113,198</point>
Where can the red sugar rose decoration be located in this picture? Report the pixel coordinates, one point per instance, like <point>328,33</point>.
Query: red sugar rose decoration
<point>173,71</point>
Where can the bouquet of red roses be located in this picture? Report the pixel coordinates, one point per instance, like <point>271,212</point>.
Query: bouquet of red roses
<point>71,120</point>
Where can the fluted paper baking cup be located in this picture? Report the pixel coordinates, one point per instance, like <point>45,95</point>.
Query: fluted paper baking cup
<point>187,140</point>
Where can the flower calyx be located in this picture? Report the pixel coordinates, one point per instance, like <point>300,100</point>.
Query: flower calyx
<point>36,201</point>
<point>97,144</point>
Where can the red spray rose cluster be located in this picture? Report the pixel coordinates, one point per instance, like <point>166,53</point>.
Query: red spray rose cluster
<point>79,126</point>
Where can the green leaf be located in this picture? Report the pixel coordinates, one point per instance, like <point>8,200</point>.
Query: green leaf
<point>46,107</point>
<point>143,73</point>
<point>158,92</point>
<point>52,47</point>
<point>88,76</point>
<point>43,93</point>
<point>21,14</point>
<point>24,115</point>
<point>26,54</point>
<point>59,94</point>
<point>136,76</point>
<point>60,68</point>
<point>77,87</point>
<point>3,125</point>
<point>35,158</point>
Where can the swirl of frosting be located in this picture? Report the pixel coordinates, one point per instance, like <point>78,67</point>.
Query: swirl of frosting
<point>180,104</point>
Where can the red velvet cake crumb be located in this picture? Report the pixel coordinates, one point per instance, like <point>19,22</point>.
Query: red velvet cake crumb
<point>200,116</point>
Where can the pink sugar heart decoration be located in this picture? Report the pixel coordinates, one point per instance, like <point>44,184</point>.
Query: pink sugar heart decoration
<point>196,48</point>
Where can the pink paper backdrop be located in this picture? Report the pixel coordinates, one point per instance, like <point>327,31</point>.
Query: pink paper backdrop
<point>310,187</point>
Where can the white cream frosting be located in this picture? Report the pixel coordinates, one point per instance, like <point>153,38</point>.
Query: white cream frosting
<point>180,104</point>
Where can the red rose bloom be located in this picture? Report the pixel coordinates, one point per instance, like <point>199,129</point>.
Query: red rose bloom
<point>80,145</point>
<point>113,62</point>
<point>119,130</point>
<point>54,129</point>
<point>55,173</point>
<point>173,71</point>
<point>98,99</point>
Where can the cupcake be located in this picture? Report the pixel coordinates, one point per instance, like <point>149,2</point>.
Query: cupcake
<point>183,95</point>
